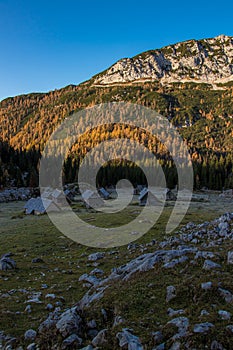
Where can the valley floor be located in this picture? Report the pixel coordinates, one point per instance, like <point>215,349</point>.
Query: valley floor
<point>49,267</point>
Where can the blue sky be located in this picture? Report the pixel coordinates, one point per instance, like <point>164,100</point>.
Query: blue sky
<point>50,44</point>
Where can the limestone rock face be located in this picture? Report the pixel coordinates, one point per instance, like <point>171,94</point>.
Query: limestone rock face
<point>206,61</point>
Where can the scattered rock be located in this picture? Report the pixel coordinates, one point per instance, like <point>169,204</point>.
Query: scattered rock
<point>100,338</point>
<point>69,322</point>
<point>117,320</point>
<point>182,323</point>
<point>160,347</point>
<point>224,315</point>
<point>91,324</point>
<point>216,346</point>
<point>93,280</point>
<point>206,285</point>
<point>96,256</point>
<point>230,257</point>
<point>49,307</point>
<point>7,263</point>
<point>50,322</point>
<point>97,271</point>
<point>28,309</point>
<point>71,342</point>
<point>227,296</point>
<point>50,296</point>
<point>229,328</point>
<point>176,346</point>
<point>202,327</point>
<point>37,261</point>
<point>171,293</point>
<point>158,337</point>
<point>204,313</point>
<point>172,312</point>
<point>127,339</point>
<point>209,265</point>
<point>30,334</point>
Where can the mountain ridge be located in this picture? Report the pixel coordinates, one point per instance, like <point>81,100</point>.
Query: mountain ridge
<point>206,60</point>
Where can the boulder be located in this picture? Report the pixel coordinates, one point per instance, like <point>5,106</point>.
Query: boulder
<point>30,334</point>
<point>100,338</point>
<point>210,265</point>
<point>202,327</point>
<point>128,339</point>
<point>7,263</point>
<point>71,342</point>
<point>69,322</point>
<point>171,293</point>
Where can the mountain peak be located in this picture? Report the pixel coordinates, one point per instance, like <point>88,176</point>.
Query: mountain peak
<point>205,61</point>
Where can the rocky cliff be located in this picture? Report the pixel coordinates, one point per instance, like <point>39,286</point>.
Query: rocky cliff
<point>206,61</point>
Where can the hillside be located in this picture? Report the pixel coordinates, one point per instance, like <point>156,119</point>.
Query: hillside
<point>191,83</point>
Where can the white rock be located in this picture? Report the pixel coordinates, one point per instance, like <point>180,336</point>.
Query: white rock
<point>30,334</point>
<point>209,265</point>
<point>171,293</point>
<point>182,323</point>
<point>100,338</point>
<point>96,256</point>
<point>224,315</point>
<point>230,257</point>
<point>206,285</point>
<point>202,327</point>
<point>228,297</point>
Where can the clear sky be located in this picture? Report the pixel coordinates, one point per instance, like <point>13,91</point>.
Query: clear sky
<point>50,44</point>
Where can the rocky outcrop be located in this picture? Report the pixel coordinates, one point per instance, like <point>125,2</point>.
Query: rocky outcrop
<point>206,61</point>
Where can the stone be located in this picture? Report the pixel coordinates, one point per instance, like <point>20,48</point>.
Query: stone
<point>72,341</point>
<point>226,295</point>
<point>229,328</point>
<point>126,338</point>
<point>171,312</point>
<point>171,293</point>
<point>216,345</point>
<point>204,313</point>
<point>31,346</point>
<point>91,324</point>
<point>206,285</point>
<point>160,347</point>
<point>100,338</point>
<point>89,347</point>
<point>50,322</point>
<point>158,337</point>
<point>30,334</point>
<point>69,322</point>
<point>202,327</point>
<point>49,307</point>
<point>182,323</point>
<point>175,346</point>
<point>28,309</point>
<point>230,257</point>
<point>224,315</point>
<point>96,256</point>
<point>205,255</point>
<point>92,333</point>
<point>37,261</point>
<point>7,263</point>
<point>97,271</point>
<point>209,265</point>
<point>93,280</point>
<point>117,320</point>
